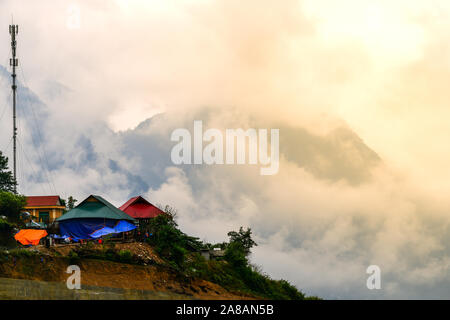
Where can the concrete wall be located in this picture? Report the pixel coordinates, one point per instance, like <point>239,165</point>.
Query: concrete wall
<point>18,289</point>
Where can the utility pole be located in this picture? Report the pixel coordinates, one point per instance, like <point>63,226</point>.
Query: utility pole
<point>13,62</point>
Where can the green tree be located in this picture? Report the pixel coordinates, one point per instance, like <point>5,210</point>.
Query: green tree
<point>235,254</point>
<point>170,212</point>
<point>238,249</point>
<point>11,204</point>
<point>7,181</point>
<point>244,238</point>
<point>71,202</point>
<point>168,240</point>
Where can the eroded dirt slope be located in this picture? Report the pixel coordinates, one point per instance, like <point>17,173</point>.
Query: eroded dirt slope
<point>48,266</point>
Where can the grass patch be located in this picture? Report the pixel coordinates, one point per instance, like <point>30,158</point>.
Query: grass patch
<point>125,256</point>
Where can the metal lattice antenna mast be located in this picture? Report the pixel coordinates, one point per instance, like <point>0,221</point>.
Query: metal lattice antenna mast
<point>13,31</point>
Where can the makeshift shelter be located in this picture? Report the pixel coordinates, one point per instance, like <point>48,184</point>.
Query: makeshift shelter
<point>139,208</point>
<point>91,215</point>
<point>30,236</point>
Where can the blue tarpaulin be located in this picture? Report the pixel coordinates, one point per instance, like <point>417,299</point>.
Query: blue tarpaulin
<point>121,226</point>
<point>82,228</point>
<point>55,236</point>
<point>124,226</point>
<point>102,232</point>
<point>88,228</point>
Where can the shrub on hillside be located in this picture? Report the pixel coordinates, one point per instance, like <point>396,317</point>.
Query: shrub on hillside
<point>73,256</point>
<point>7,234</point>
<point>235,254</point>
<point>22,253</point>
<point>168,240</point>
<point>125,256</point>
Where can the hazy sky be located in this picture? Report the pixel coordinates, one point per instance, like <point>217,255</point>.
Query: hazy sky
<point>357,88</point>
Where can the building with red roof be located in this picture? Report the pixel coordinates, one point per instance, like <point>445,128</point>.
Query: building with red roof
<point>139,208</point>
<point>44,208</point>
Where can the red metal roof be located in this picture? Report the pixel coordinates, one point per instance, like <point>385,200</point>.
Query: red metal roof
<point>139,208</point>
<point>41,201</point>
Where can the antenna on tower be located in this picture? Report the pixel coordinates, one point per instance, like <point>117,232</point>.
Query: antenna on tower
<point>14,62</point>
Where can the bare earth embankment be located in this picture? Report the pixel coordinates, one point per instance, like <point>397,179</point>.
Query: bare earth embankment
<point>102,278</point>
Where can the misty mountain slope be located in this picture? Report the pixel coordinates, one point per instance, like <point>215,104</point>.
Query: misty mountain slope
<point>341,154</point>
<point>338,155</point>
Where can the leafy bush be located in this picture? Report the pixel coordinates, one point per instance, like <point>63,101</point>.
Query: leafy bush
<point>73,256</point>
<point>22,253</point>
<point>244,238</point>
<point>291,291</point>
<point>235,254</point>
<point>178,255</point>
<point>125,256</point>
<point>168,240</point>
<point>6,234</point>
<point>5,226</point>
<point>107,252</point>
<point>110,254</point>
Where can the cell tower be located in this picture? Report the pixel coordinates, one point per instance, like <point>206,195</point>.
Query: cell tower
<point>14,62</point>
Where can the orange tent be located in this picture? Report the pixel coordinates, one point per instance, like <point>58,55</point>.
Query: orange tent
<point>30,236</point>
